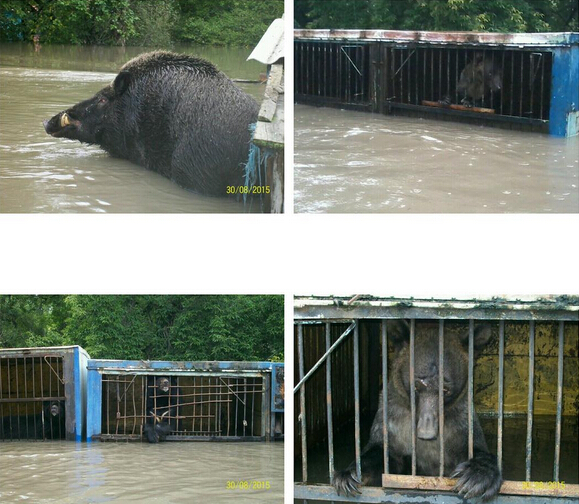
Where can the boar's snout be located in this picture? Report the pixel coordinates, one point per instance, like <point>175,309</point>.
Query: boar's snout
<point>56,125</point>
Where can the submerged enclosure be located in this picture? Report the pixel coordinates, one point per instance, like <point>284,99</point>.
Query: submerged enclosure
<point>217,401</point>
<point>527,81</point>
<point>42,393</point>
<point>524,384</point>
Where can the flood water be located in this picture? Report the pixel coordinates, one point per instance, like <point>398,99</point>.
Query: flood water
<point>39,173</point>
<point>359,162</point>
<point>64,472</point>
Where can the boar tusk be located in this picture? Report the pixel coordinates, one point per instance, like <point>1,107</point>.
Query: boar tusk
<point>64,120</point>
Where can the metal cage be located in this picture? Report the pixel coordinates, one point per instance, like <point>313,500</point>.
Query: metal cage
<point>216,401</point>
<point>342,359</point>
<point>418,73</point>
<point>33,381</point>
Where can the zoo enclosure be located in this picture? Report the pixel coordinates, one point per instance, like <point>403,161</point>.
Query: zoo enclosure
<point>340,335</point>
<point>215,401</point>
<point>31,378</point>
<point>410,72</point>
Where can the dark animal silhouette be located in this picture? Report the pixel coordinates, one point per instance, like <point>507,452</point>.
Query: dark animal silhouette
<point>163,398</point>
<point>172,113</point>
<point>47,424</point>
<point>478,476</point>
<point>477,80</point>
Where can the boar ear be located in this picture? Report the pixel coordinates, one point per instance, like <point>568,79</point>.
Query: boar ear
<point>121,83</point>
<point>398,332</point>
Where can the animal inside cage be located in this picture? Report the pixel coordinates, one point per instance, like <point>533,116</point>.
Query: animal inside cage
<point>42,393</point>
<point>522,378</point>
<point>527,81</point>
<point>173,401</point>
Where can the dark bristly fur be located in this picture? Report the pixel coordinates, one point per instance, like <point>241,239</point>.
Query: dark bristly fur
<point>172,113</point>
<point>477,477</point>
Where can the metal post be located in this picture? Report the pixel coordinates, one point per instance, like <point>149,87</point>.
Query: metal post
<point>412,395</point>
<point>441,394</point>
<point>385,393</point>
<point>303,404</point>
<point>529,445</point>
<point>501,393</point>
<point>470,388</point>
<point>559,400</point>
<point>357,401</point>
<point>329,406</point>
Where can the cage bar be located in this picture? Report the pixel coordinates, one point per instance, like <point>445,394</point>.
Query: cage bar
<point>329,405</point>
<point>529,444</point>
<point>385,393</point>
<point>559,400</point>
<point>357,400</point>
<point>501,394</point>
<point>441,394</point>
<point>412,396</point>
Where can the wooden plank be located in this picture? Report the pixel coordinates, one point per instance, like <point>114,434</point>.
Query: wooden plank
<point>273,89</point>
<point>535,488</point>
<point>453,106</point>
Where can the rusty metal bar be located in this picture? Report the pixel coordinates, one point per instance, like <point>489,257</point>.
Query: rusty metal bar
<point>412,395</point>
<point>441,394</point>
<point>559,400</point>
<point>529,444</point>
<point>470,388</point>
<point>329,406</point>
<point>385,393</point>
<point>357,401</point>
<point>324,357</point>
<point>302,404</point>
<point>501,394</point>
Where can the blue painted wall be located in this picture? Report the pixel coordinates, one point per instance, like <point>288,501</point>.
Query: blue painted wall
<point>564,91</point>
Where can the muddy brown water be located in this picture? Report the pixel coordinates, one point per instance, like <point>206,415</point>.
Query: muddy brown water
<point>359,162</point>
<point>39,173</point>
<point>68,473</point>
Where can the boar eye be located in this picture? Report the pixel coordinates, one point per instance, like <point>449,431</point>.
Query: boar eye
<point>103,100</point>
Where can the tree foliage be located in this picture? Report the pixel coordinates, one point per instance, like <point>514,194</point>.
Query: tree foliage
<point>440,15</point>
<point>138,22</point>
<point>148,327</point>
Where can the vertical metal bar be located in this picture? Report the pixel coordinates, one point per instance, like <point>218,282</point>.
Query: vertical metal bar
<point>529,445</point>
<point>503,78</point>
<point>26,396</point>
<point>357,400</point>
<point>412,395</point>
<point>244,405</point>
<point>513,53</point>
<point>542,83</point>
<point>125,398</point>
<point>236,407</point>
<point>143,403</point>
<point>447,75</point>
<point>41,364</point>
<point>470,388</point>
<point>431,73</point>
<point>385,394</point>
<point>439,70</point>
<point>9,397</point>
<point>329,405</point>
<point>108,412</point>
<point>559,400</point>
<point>441,394</point>
<point>253,392</point>
<point>521,87</point>
<point>325,69</point>
<point>33,391</point>
<point>501,393</point>
<point>531,81</point>
<point>303,404</point>
<point>456,74</point>
<point>493,73</point>
<point>17,395</point>
<point>409,80</point>
<point>50,392</point>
